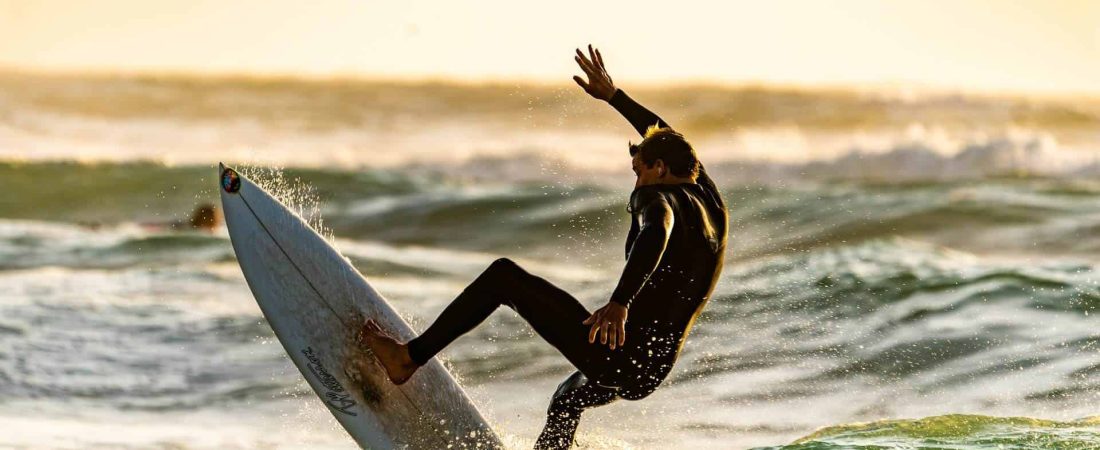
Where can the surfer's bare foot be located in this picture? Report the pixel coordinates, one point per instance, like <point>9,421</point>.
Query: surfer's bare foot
<point>393,355</point>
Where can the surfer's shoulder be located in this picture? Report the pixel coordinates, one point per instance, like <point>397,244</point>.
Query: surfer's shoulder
<point>644,196</point>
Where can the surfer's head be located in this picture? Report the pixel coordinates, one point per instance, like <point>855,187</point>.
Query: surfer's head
<point>205,217</point>
<point>663,156</point>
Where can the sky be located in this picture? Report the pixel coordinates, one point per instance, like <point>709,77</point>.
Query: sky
<point>989,45</point>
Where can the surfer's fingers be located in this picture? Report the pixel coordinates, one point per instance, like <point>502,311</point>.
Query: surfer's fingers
<point>580,83</point>
<point>583,59</point>
<point>589,72</point>
<point>597,62</point>
<point>612,336</point>
<point>585,63</point>
<point>603,69</point>
<point>603,333</point>
<point>622,334</point>
<point>592,332</point>
<point>579,63</point>
<point>590,320</point>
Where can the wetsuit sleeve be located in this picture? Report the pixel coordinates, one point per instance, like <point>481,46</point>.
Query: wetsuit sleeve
<point>638,116</point>
<point>645,254</point>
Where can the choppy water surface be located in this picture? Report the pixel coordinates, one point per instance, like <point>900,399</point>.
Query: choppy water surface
<point>952,306</point>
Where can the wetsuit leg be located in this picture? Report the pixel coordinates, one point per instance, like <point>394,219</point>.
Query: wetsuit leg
<point>553,313</point>
<point>573,396</point>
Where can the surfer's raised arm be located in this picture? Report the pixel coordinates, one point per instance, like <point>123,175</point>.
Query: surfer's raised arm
<point>601,87</point>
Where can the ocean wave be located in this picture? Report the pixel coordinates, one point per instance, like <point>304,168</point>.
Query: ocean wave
<point>538,134</point>
<point>125,339</point>
<point>913,328</point>
<point>339,104</point>
<point>109,214</point>
<point>957,431</point>
<point>908,158</point>
<point>841,301</point>
<point>927,157</point>
<point>914,155</point>
<point>30,244</point>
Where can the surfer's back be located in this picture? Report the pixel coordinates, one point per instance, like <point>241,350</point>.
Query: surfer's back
<point>692,259</point>
<point>665,309</point>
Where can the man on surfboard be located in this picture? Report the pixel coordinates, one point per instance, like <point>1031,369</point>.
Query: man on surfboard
<point>674,254</point>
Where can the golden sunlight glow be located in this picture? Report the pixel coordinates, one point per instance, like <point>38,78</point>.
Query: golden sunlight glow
<point>1035,45</point>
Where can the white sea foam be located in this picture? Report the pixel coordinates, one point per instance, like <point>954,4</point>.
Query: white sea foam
<point>494,148</point>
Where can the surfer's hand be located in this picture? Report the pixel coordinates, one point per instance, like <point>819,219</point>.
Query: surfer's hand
<point>599,83</point>
<point>610,323</point>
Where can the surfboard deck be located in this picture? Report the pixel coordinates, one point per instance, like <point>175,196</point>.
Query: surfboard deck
<point>316,302</point>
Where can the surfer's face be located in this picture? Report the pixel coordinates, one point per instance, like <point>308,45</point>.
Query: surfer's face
<point>648,175</point>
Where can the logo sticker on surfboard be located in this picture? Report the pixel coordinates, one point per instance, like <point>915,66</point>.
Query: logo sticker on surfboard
<point>231,182</point>
<point>336,396</point>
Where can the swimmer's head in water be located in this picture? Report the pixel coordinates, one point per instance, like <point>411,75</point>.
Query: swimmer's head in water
<point>231,182</point>
<point>663,152</point>
<point>205,217</point>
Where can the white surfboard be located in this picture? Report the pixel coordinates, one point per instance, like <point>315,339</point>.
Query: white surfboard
<point>316,301</point>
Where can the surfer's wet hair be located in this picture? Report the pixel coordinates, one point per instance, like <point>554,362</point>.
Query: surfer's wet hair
<point>669,146</point>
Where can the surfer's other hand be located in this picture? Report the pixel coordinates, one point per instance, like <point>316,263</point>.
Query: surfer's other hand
<point>599,83</point>
<point>609,323</point>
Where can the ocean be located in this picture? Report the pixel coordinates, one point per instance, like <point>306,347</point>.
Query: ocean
<point>905,269</point>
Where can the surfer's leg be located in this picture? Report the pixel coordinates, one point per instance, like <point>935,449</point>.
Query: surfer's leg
<point>573,396</point>
<point>553,313</point>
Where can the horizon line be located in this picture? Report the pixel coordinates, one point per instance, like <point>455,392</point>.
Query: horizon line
<point>894,86</point>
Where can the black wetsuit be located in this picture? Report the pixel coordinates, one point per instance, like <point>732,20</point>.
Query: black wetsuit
<point>675,250</point>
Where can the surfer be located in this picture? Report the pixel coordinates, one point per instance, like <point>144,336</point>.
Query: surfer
<point>204,217</point>
<point>674,251</point>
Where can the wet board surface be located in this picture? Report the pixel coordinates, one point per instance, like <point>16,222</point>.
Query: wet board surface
<point>315,301</point>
